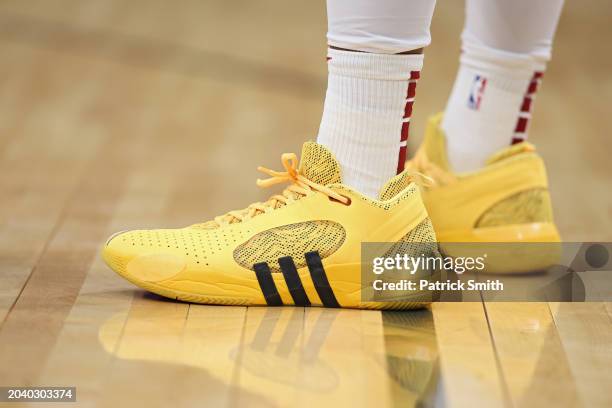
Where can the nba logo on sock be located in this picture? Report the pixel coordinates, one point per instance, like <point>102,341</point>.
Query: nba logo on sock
<point>476,92</point>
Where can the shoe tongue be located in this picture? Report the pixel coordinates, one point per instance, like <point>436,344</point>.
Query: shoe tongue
<point>319,165</point>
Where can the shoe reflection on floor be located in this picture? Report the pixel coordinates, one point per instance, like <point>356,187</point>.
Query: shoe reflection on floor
<point>315,353</point>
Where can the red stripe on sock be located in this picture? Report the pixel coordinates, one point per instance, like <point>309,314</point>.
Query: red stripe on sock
<point>401,162</point>
<point>408,110</point>
<point>405,131</point>
<point>526,106</point>
<point>410,93</point>
<point>522,123</point>
<point>411,90</point>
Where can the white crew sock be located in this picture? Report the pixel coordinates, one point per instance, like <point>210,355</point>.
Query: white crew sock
<point>506,45</point>
<point>489,106</point>
<point>366,116</point>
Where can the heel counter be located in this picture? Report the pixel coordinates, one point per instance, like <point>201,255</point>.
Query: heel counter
<point>525,207</point>
<point>530,204</point>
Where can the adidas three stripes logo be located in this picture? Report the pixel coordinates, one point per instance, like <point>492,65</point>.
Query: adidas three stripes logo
<point>294,283</point>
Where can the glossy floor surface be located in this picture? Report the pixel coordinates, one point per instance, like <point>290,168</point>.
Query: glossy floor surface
<point>125,114</point>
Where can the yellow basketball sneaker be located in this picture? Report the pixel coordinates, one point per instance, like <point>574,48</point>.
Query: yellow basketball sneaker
<point>301,247</point>
<point>505,201</point>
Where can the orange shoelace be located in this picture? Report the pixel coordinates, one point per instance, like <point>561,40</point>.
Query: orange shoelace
<point>300,186</point>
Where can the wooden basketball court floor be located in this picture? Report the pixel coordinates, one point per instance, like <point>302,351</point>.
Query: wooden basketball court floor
<point>125,114</point>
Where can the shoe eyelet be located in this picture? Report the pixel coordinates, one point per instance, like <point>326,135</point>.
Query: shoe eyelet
<point>340,202</point>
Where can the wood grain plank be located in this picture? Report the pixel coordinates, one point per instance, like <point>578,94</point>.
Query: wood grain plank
<point>347,347</point>
<point>411,352</point>
<point>468,364</point>
<point>531,355</point>
<point>211,341</point>
<point>33,324</point>
<point>146,353</point>
<point>53,271</point>
<point>93,328</point>
<point>268,360</point>
<point>314,357</point>
<point>585,330</point>
<point>36,176</point>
